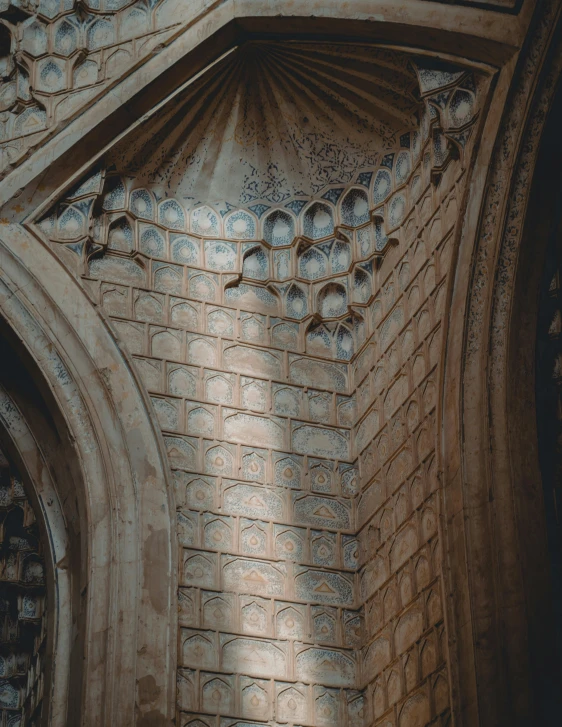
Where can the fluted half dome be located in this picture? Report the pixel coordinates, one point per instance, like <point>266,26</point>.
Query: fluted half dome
<point>274,120</point>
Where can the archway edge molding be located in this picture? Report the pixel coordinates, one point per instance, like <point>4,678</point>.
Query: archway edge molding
<point>455,32</point>
<point>493,514</point>
<point>130,536</point>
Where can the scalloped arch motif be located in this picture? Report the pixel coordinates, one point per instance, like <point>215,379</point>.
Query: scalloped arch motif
<point>287,146</point>
<point>64,45</point>
<point>235,240</point>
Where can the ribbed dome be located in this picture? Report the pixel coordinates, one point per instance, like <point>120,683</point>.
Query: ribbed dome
<point>274,120</point>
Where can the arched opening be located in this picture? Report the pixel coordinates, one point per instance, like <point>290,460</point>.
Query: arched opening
<point>547,203</point>
<point>24,605</point>
<point>42,643</point>
<point>84,443</point>
<point>548,393</point>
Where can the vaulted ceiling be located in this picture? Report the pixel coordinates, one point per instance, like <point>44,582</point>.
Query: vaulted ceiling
<point>275,120</point>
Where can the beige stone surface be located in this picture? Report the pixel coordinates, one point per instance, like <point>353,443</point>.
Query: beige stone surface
<point>250,251</point>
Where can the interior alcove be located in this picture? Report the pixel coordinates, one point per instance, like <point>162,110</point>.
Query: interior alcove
<point>268,200</point>
<point>196,355</point>
<point>36,442</point>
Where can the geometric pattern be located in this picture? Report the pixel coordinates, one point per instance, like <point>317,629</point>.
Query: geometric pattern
<point>23,605</point>
<point>56,56</point>
<point>281,369</point>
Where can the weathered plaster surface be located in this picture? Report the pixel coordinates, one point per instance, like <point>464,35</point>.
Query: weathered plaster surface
<point>248,360</point>
<point>124,492</point>
<point>308,476</point>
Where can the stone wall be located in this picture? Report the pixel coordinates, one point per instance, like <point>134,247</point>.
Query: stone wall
<point>272,249</point>
<point>290,347</point>
<point>404,651</point>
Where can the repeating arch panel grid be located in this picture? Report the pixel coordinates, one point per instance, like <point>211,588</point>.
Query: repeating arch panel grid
<point>294,386</point>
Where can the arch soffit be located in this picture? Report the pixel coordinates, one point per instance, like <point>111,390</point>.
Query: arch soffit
<point>126,478</point>
<point>489,597</point>
<point>129,502</point>
<point>123,417</point>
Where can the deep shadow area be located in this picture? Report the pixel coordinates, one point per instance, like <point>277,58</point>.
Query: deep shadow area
<point>30,392</point>
<point>539,521</point>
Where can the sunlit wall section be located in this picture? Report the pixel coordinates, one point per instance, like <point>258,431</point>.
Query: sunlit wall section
<point>238,245</point>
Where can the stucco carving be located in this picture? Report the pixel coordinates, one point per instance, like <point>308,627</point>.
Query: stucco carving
<point>60,55</point>
<point>257,321</point>
<point>269,245</point>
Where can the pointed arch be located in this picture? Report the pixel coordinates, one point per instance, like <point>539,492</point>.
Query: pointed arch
<point>124,583</point>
